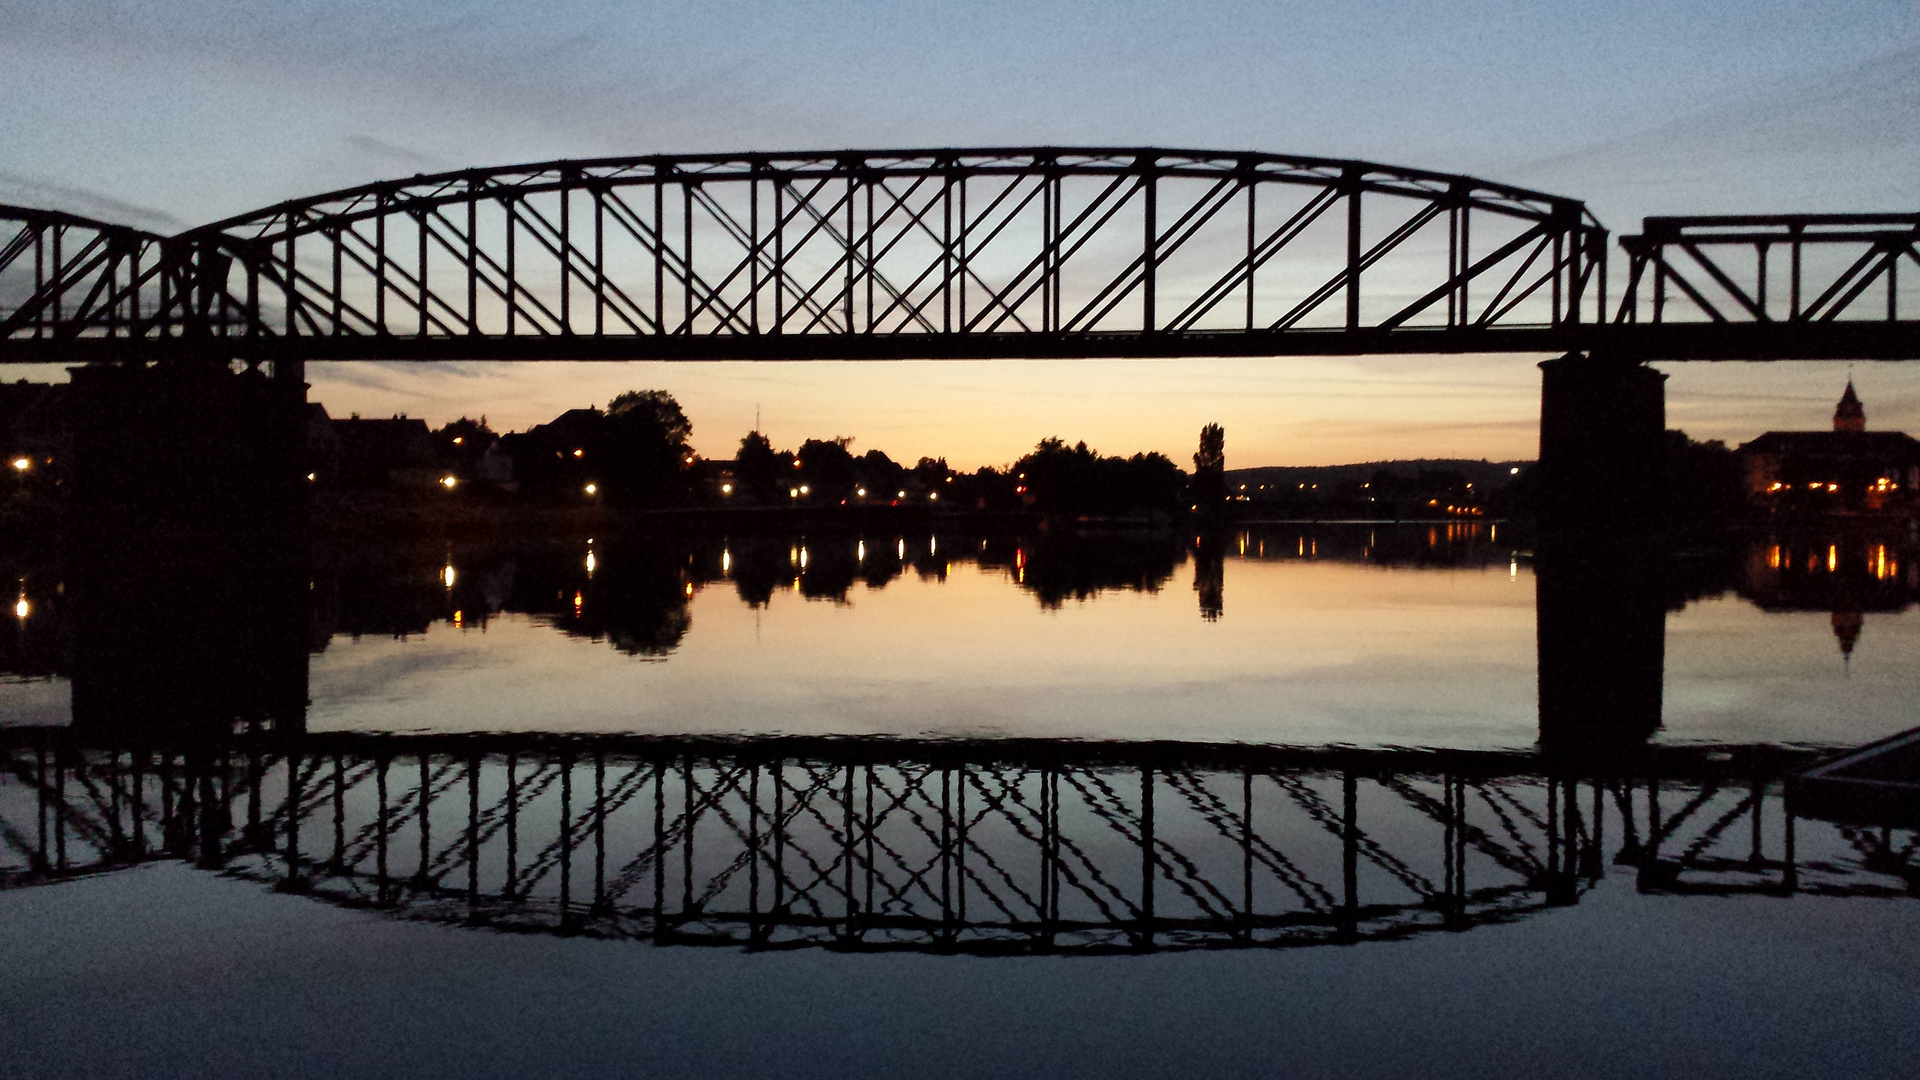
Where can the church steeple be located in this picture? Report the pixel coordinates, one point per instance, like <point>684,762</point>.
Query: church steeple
<point>1849,415</point>
<point>1846,627</point>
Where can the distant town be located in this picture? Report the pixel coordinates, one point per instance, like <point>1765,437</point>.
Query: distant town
<point>634,454</point>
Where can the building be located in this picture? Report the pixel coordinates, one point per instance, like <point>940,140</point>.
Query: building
<point>557,459</point>
<point>496,467</point>
<point>378,453</point>
<point>1848,471</point>
<point>322,445</point>
<point>36,430</point>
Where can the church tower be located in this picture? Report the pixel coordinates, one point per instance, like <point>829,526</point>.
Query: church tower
<point>1849,415</point>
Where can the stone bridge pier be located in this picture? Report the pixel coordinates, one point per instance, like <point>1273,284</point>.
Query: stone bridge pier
<point>1603,423</point>
<point>187,561</point>
<point>1599,569</point>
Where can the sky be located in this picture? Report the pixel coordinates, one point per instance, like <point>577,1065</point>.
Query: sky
<point>169,113</point>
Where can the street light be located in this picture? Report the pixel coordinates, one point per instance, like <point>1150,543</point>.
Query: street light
<point>449,482</point>
<point>593,489</point>
<point>21,464</point>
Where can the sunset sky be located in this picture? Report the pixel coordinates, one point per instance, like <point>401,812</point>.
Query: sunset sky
<point>168,114</point>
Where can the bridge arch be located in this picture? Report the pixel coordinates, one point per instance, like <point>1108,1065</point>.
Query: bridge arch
<point>991,252</point>
<point>62,274</point>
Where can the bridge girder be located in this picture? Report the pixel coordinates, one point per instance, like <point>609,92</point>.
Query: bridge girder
<point>1106,251</point>
<point>1840,270</point>
<point>950,253</point>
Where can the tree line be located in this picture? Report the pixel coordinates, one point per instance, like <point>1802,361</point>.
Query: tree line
<point>637,453</point>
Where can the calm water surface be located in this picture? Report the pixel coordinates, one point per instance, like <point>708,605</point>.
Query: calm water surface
<point>1361,635</point>
<point>1283,881</point>
<point>1306,648</point>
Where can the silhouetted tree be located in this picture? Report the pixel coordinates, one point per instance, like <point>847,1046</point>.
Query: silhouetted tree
<point>987,488</point>
<point>756,468</point>
<point>880,475</point>
<point>1704,486</point>
<point>934,478</point>
<point>642,450</point>
<point>827,469</point>
<point>657,407</point>
<point>1058,479</point>
<point>463,442</point>
<point>1210,470</point>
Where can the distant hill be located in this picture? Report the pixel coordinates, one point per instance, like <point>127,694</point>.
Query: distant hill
<point>1483,475</point>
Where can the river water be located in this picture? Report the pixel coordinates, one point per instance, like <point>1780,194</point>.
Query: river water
<point>959,801</point>
<point>1364,635</point>
<point>1427,641</point>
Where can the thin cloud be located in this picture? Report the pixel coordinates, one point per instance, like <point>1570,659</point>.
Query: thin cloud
<point>1835,140</point>
<point>26,191</point>
<point>385,153</point>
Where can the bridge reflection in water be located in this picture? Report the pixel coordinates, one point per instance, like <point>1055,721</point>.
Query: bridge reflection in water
<point>994,847</point>
<point>188,742</point>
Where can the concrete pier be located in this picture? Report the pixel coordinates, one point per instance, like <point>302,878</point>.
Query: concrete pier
<point>1602,431</point>
<point>187,567</point>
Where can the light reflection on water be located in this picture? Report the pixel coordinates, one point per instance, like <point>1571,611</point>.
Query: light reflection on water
<point>1310,653</point>
<point>1574,883</point>
<point>1416,635</point>
<point>1360,634</point>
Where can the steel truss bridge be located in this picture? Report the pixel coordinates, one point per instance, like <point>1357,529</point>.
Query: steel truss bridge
<point>996,847</point>
<point>963,253</point>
